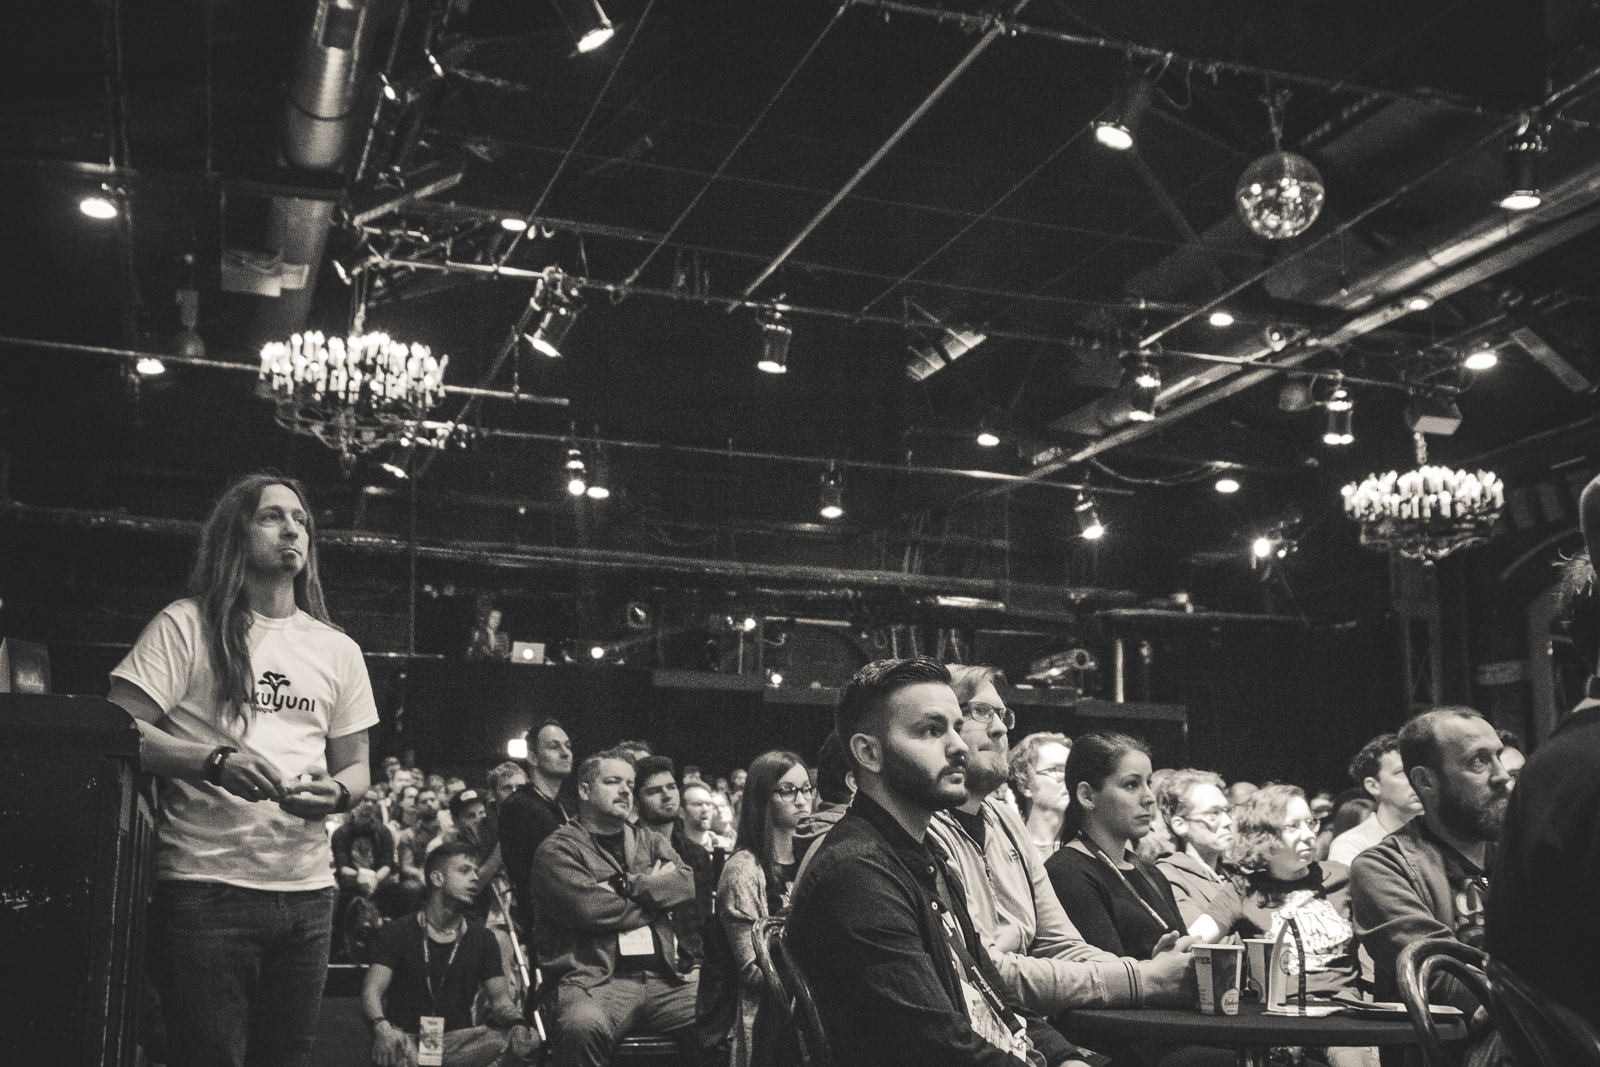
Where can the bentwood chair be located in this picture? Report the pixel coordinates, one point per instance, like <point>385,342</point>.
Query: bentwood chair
<point>787,988</point>
<point>1537,1030</point>
<point>1414,972</point>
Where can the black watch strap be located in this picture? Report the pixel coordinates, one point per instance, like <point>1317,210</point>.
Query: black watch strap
<point>214,762</point>
<point>344,798</point>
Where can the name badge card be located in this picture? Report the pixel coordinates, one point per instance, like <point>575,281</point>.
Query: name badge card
<point>430,1041</point>
<point>636,942</point>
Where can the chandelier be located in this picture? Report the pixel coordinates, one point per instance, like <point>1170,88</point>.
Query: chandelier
<point>356,394</point>
<point>1428,513</point>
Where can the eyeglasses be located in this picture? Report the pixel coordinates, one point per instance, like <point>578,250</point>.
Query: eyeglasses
<point>1311,825</point>
<point>1058,773</point>
<point>787,792</point>
<point>987,713</point>
<point>1210,818</point>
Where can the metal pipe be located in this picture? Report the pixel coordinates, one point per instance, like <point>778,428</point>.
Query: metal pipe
<point>1118,666</point>
<point>883,150</point>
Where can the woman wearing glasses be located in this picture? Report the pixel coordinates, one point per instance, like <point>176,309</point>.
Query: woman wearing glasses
<point>755,883</point>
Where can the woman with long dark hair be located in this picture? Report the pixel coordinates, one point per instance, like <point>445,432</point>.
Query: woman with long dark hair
<point>755,884</point>
<point>253,710</point>
<point>1118,901</point>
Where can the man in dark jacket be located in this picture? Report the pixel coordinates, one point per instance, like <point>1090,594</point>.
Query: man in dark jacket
<point>878,925</point>
<point>534,810</point>
<point>1428,878</point>
<point>659,807</point>
<point>603,891</point>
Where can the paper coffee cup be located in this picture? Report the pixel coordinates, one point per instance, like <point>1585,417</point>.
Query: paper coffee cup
<point>1257,951</point>
<point>1218,969</point>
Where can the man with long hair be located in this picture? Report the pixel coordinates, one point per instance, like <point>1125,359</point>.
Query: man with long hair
<point>253,709</point>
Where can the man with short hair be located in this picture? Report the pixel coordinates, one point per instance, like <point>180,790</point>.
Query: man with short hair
<point>658,812</point>
<point>506,779</point>
<point>1201,826</point>
<point>1038,774</point>
<point>1241,791</point>
<point>1512,756</point>
<point>836,785</point>
<point>699,810</point>
<point>431,964</point>
<point>469,816</point>
<point>878,924</point>
<point>1428,879</point>
<point>534,810</point>
<point>1041,957</point>
<point>1379,770</point>
<point>603,891</point>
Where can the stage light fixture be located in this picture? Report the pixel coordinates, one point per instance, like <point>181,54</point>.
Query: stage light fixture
<point>517,748</point>
<point>1144,383</point>
<point>597,652</point>
<point>98,207</point>
<point>775,338</point>
<point>597,492</point>
<point>1090,528</point>
<point>987,438</point>
<point>774,679</point>
<point>577,480</point>
<point>513,225</point>
<point>831,496</point>
<point>1419,302</point>
<point>1116,128</point>
<point>1482,359</point>
<point>1262,548</point>
<point>558,307</point>
<point>1341,412</point>
<point>149,366</point>
<point>1221,318</point>
<point>1521,192</point>
<point>586,21</point>
<point>1227,485</point>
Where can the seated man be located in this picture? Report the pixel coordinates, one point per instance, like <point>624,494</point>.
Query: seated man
<point>878,925</point>
<point>658,812</point>
<point>836,785</point>
<point>364,858</point>
<point>1428,878</point>
<point>431,965</point>
<point>1379,770</point>
<point>603,891</point>
<point>1201,825</point>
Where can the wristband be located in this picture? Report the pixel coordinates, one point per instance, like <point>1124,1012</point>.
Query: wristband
<point>214,762</point>
<point>344,798</point>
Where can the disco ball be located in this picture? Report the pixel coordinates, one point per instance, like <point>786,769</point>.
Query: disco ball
<point>1280,195</point>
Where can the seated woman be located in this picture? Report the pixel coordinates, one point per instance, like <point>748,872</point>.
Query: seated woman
<point>1278,877</point>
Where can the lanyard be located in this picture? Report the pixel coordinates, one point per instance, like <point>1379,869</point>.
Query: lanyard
<point>952,933</point>
<point>427,962</point>
<point>1098,851</point>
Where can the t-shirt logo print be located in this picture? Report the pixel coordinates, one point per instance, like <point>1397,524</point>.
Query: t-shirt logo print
<point>278,700</point>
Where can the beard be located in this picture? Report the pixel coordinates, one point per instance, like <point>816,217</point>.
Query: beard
<point>934,792</point>
<point>1465,818</point>
<point>982,779</point>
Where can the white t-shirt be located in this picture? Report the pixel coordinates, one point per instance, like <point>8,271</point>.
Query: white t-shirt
<point>1356,840</point>
<point>311,685</point>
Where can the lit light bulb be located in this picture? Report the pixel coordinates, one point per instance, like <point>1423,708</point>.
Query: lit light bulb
<point>774,679</point>
<point>149,366</point>
<point>517,748</point>
<point>1419,302</point>
<point>747,624</point>
<point>987,439</point>
<point>514,225</point>
<point>1481,360</point>
<point>1262,547</point>
<point>1227,485</point>
<point>831,511</point>
<point>97,207</point>
<point>1220,318</point>
<point>1113,136</point>
<point>596,37</point>
<point>576,487</point>
<point>598,492</point>
<point>1521,200</point>
<point>597,652</point>
<point>1094,532</point>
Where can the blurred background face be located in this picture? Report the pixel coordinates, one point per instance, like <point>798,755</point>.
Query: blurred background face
<point>658,799</point>
<point>988,750</point>
<point>472,816</point>
<point>1050,777</point>
<point>1393,787</point>
<point>737,780</point>
<point>1125,806</point>
<point>1204,820</point>
<point>790,799</point>
<point>552,753</point>
<point>611,792</point>
<point>697,808</point>
<point>1296,845</point>
<point>1512,760</point>
<point>428,800</point>
<point>509,786</point>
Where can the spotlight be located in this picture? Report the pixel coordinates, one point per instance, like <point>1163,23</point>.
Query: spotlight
<point>577,486</point>
<point>1144,382</point>
<point>747,623</point>
<point>598,492</point>
<point>1341,412</point>
<point>1522,171</point>
<point>558,309</point>
<point>1262,548</point>
<point>1227,485</point>
<point>1220,318</point>
<point>575,459</point>
<point>586,21</point>
<point>98,207</point>
<point>517,748</point>
<point>775,338</point>
<point>514,225</point>
<point>831,497</point>
<point>987,438</point>
<point>149,366</point>
<point>1116,128</point>
<point>1275,336</point>
<point>774,679</point>
<point>597,652</point>
<point>1419,302</point>
<point>1481,360</point>
<point>1090,528</point>
<point>577,482</point>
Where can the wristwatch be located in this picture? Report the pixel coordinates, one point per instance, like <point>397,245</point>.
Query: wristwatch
<point>344,798</point>
<point>214,762</point>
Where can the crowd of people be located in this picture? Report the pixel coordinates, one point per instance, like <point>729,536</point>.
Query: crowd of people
<point>949,897</point>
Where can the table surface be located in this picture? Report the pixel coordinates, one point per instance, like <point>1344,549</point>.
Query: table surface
<point>1251,1028</point>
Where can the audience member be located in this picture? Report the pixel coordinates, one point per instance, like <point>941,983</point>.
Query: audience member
<point>633,751</point>
<point>252,710</point>
<point>658,810</point>
<point>1378,769</point>
<point>364,860</point>
<point>691,773</point>
<point>1322,810</point>
<point>468,816</point>
<point>836,784</point>
<point>602,893</point>
<point>505,780</point>
<point>882,934</point>
<point>1038,953</point>
<point>1512,755</point>
<point>1428,879</point>
<point>1542,920</point>
<point>1158,842</point>
<point>535,810</point>
<point>755,883</point>
<point>1037,769</point>
<point>415,977</point>
<point>1350,809</point>
<point>699,811</point>
<point>413,845</point>
<point>722,822</point>
<point>1197,811</point>
<point>435,782</point>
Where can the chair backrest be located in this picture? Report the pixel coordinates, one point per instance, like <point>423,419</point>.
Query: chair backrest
<point>786,986</point>
<point>1536,1029</point>
<point>1414,972</point>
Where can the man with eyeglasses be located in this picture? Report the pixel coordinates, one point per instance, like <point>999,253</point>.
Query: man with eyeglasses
<point>1038,780</point>
<point>1040,955</point>
<point>1197,814</point>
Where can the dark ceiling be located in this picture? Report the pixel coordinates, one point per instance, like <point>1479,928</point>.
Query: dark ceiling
<point>686,154</point>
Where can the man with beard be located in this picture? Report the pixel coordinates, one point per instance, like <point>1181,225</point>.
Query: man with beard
<point>658,812</point>
<point>602,891</point>
<point>877,925</point>
<point>1041,957</point>
<point>534,810</point>
<point>1428,879</point>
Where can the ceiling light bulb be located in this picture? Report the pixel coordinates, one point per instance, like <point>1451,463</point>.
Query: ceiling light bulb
<point>1227,485</point>
<point>1419,302</point>
<point>1521,200</point>
<point>1262,548</point>
<point>150,366</point>
<point>987,439</point>
<point>574,459</point>
<point>587,23</point>
<point>577,487</point>
<point>1340,416</point>
<point>597,652</point>
<point>1481,360</point>
<point>514,225</point>
<point>1090,528</point>
<point>831,511</point>
<point>774,679</point>
<point>598,492</point>
<point>1113,135</point>
<point>832,495</point>
<point>1094,532</point>
<point>97,207</point>
<point>558,310</point>
<point>517,747</point>
<point>596,37</point>
<point>775,338</point>
<point>747,624</point>
<point>1221,318</point>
